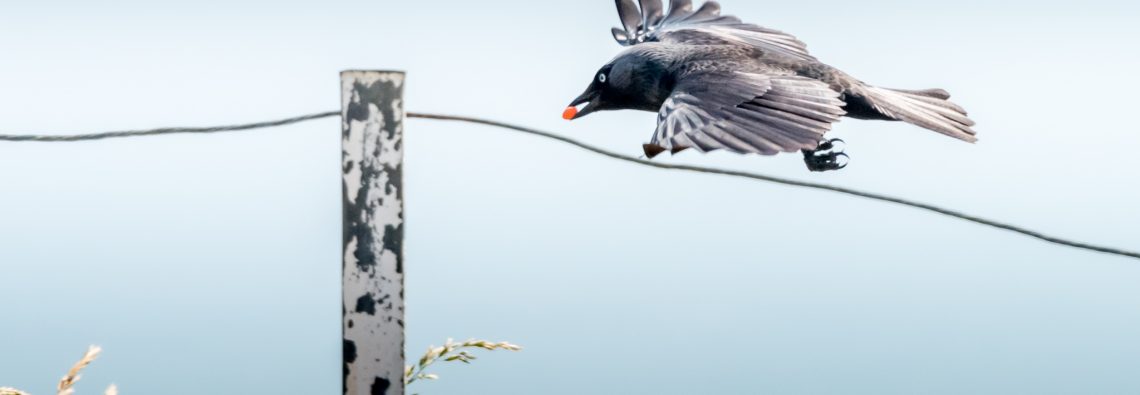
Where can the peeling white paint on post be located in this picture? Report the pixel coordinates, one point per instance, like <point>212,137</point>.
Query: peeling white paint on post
<point>372,123</point>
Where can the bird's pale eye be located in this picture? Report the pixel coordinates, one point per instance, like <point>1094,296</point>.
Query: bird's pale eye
<point>602,77</point>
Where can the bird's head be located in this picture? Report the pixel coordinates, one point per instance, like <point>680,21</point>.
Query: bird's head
<point>631,81</point>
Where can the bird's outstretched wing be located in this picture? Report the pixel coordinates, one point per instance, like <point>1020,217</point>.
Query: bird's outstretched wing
<point>745,113</point>
<point>683,25</point>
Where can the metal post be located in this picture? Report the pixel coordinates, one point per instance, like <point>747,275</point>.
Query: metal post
<point>372,125</point>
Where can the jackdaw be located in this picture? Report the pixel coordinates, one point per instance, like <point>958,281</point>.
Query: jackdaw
<point>719,83</point>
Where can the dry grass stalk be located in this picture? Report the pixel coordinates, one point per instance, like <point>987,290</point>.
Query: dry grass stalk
<point>68,382</point>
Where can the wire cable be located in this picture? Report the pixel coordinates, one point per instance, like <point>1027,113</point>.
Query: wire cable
<point>153,132</point>
<point>600,151</point>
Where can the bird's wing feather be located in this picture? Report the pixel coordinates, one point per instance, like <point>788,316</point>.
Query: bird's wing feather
<point>683,25</point>
<point>746,113</point>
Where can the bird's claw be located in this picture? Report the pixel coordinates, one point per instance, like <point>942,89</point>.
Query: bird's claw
<point>828,156</point>
<point>830,145</point>
<point>826,162</point>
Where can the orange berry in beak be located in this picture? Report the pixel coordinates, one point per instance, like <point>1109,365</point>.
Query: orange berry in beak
<point>570,113</point>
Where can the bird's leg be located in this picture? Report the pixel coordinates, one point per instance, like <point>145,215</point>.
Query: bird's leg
<point>827,156</point>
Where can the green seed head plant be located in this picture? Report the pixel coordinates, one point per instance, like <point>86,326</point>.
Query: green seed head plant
<point>450,352</point>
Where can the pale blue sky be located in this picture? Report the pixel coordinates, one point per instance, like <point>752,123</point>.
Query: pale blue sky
<point>213,261</point>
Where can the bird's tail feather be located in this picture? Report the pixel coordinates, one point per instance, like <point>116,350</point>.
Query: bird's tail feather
<point>929,108</point>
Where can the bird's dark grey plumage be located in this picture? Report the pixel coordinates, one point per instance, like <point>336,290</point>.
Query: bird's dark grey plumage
<point>718,83</point>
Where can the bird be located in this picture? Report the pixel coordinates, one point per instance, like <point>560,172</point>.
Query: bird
<point>717,83</point>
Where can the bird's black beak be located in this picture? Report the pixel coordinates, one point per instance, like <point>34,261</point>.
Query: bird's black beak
<point>584,105</point>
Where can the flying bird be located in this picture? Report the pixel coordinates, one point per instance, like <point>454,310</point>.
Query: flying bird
<point>721,84</point>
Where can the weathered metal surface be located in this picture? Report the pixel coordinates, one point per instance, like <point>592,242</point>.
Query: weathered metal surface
<point>373,291</point>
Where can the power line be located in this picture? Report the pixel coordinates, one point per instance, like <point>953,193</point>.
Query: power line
<point>797,183</point>
<point>152,132</point>
<point>611,154</point>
